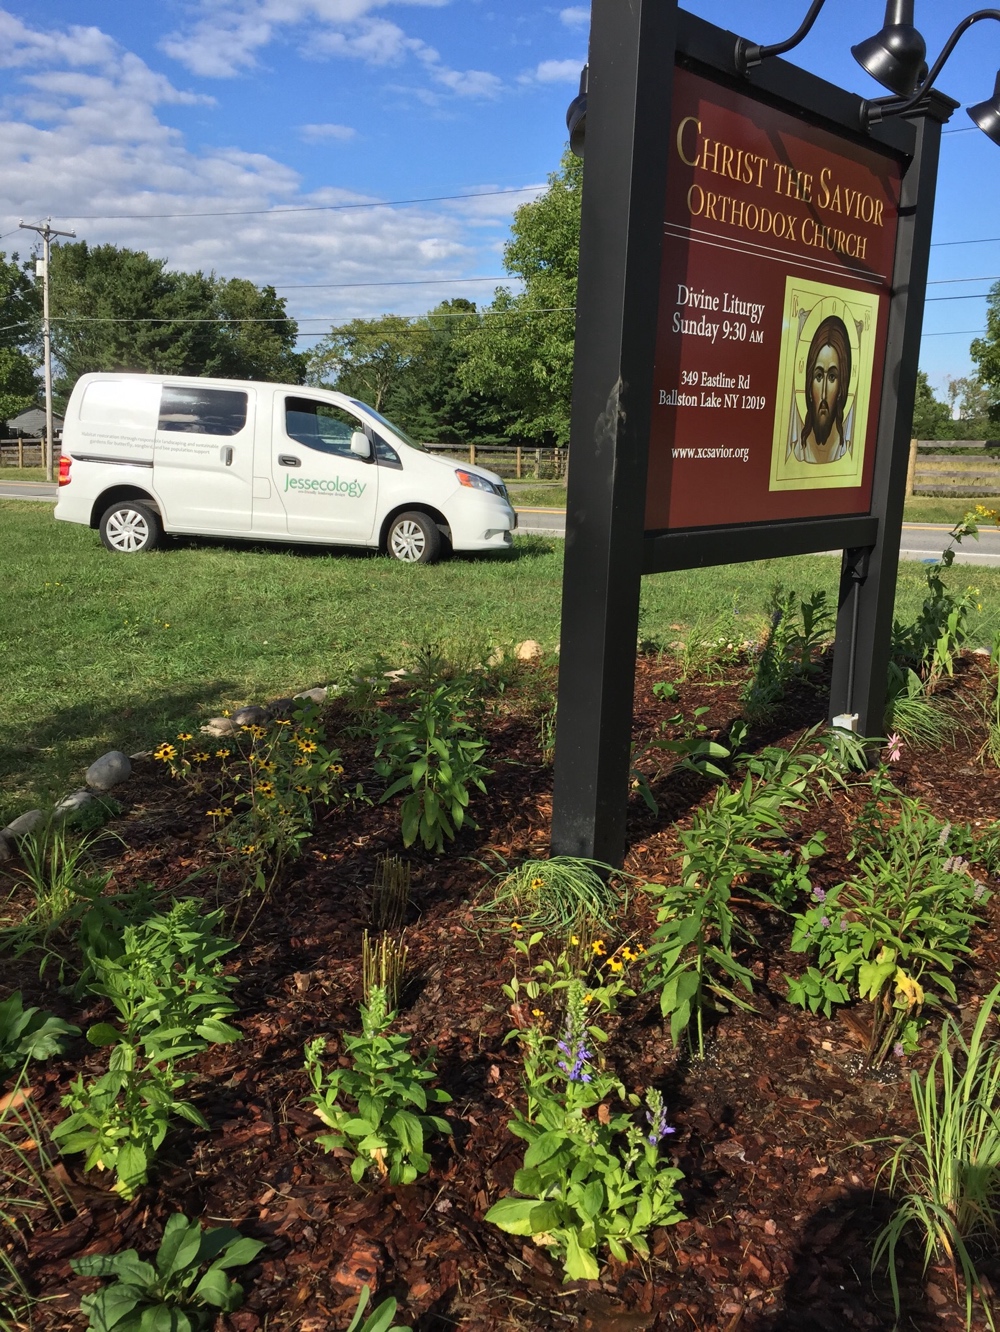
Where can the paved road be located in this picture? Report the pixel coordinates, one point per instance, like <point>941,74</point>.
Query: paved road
<point>921,541</point>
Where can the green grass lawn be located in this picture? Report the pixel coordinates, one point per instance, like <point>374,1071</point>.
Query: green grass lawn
<point>103,650</point>
<point>15,474</point>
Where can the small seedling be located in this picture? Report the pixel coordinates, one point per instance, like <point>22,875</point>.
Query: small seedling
<point>379,1320</point>
<point>174,1294</point>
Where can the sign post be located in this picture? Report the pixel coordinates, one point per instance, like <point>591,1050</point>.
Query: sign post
<point>752,274</point>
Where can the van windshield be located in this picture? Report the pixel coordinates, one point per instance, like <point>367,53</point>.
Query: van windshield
<point>396,430</point>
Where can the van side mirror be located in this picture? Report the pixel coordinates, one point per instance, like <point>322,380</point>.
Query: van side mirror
<point>360,445</point>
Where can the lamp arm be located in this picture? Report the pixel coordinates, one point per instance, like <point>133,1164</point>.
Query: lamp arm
<point>873,112</point>
<point>748,54</point>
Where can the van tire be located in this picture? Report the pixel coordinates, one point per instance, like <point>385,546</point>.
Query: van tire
<point>413,538</point>
<point>129,527</point>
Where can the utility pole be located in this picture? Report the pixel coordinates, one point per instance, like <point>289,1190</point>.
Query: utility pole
<point>46,231</point>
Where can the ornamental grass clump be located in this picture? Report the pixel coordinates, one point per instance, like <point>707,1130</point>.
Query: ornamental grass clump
<point>593,1177</point>
<point>947,1174</point>
<point>555,893</point>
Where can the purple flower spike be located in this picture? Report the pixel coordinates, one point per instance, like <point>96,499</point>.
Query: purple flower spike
<point>819,894</point>
<point>898,1050</point>
<point>659,1128</point>
<point>825,922</point>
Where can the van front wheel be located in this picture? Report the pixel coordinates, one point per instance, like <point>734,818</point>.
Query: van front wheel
<point>414,539</point>
<point>128,527</point>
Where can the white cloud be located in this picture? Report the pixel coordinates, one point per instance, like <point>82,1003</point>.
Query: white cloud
<point>320,133</point>
<point>227,39</point>
<point>81,132</point>
<point>557,71</point>
<point>577,16</point>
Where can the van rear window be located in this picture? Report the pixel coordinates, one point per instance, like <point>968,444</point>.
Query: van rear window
<point>202,411</point>
<point>122,404</point>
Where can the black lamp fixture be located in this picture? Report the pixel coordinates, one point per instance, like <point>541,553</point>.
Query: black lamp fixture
<point>895,57</point>
<point>987,114</point>
<point>576,115</point>
<point>749,54</point>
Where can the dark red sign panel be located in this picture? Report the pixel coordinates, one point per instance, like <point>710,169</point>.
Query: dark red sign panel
<point>778,248</point>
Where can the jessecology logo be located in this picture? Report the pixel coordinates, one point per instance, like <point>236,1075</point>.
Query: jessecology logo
<point>332,486</point>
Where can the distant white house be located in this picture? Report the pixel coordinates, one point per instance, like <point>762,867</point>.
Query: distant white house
<point>32,423</point>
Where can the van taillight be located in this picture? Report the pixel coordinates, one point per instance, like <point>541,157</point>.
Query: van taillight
<point>65,463</point>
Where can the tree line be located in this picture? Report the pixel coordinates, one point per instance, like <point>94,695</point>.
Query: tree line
<point>498,374</point>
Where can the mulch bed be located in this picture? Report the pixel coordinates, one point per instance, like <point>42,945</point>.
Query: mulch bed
<point>781,1192</point>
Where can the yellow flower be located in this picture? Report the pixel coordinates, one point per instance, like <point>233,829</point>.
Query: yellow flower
<point>300,762</point>
<point>199,757</point>
<point>225,812</point>
<point>222,753</point>
<point>225,712</point>
<point>628,955</point>
<point>909,989</point>
<point>573,939</point>
<point>337,769</point>
<point>265,765</point>
<point>588,998</point>
<point>303,790</point>
<point>516,925</point>
<point>537,883</point>
<point>598,947</point>
<point>265,789</point>
<point>184,735</point>
<point>213,813</point>
<point>614,964</point>
<point>165,753</point>
<point>258,732</point>
<point>249,850</point>
<point>537,1012</point>
<point>282,721</point>
<point>307,746</point>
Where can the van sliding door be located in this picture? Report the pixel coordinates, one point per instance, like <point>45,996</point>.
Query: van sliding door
<point>203,458</point>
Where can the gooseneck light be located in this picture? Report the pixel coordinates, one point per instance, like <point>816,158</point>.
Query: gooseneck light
<point>895,56</point>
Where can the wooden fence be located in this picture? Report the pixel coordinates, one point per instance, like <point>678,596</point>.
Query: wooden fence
<point>21,452</point>
<point>971,471</point>
<point>513,462</point>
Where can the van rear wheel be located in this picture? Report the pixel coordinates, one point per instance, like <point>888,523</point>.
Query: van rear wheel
<point>129,527</point>
<point>413,538</point>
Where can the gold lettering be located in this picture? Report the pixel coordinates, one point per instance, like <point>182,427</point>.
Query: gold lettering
<point>696,212</point>
<point>824,184</point>
<point>710,155</point>
<point>726,168</point>
<point>688,120</point>
<point>710,202</point>
<point>779,169</point>
<point>862,246</point>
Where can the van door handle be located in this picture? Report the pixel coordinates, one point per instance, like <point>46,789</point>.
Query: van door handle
<point>289,460</point>
<point>226,453</point>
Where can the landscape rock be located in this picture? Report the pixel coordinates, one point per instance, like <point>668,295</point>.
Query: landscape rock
<point>72,802</point>
<point>23,824</point>
<point>250,716</point>
<point>981,652</point>
<point>528,650</point>
<point>6,850</point>
<point>400,673</point>
<point>317,695</point>
<point>496,657</point>
<point>109,770</point>
<point>280,707</point>
<point>219,726</point>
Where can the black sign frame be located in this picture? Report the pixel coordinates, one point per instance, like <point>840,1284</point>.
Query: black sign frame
<point>633,52</point>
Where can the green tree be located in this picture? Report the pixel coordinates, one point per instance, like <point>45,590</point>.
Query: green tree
<point>435,403</point>
<point>985,352</point>
<point>968,408</point>
<point>18,385</point>
<point>931,418</point>
<point>119,309</point>
<point>20,331</point>
<point>371,359</point>
<point>521,352</point>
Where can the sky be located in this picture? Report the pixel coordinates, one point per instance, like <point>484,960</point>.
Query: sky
<point>239,136</point>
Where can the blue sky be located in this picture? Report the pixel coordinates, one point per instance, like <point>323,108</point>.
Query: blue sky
<point>231,113</point>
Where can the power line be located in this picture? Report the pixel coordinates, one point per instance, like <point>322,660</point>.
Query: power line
<point>956,333</point>
<point>938,282</point>
<point>409,282</point>
<point>311,208</point>
<point>981,240</point>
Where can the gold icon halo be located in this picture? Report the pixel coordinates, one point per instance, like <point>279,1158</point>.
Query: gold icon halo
<point>827,305</point>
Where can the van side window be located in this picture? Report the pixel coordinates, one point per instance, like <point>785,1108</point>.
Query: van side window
<point>320,425</point>
<point>386,454</point>
<point>202,411</point>
<point>120,404</point>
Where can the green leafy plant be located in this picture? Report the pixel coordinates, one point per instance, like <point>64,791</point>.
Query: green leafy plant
<point>387,1124</point>
<point>591,1178</point>
<point>948,1172</point>
<point>797,630</point>
<point>557,892</point>
<point>171,996</point>
<point>29,1033</point>
<point>913,712</point>
<point>379,1320</point>
<point>931,643</point>
<point>56,865</point>
<point>433,755</point>
<point>173,1294</point>
<point>897,927</point>
<point>583,957</point>
<point>990,748</point>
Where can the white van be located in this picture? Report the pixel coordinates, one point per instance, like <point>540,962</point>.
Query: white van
<point>147,454</point>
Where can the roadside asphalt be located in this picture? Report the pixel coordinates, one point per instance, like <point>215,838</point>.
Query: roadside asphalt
<point>920,541</point>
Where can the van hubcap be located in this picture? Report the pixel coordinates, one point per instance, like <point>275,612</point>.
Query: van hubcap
<point>408,541</point>
<point>127,530</point>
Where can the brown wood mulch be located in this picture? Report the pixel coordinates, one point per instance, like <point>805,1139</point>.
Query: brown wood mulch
<point>774,1127</point>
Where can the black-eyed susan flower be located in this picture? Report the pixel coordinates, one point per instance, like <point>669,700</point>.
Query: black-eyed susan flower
<point>184,735</point>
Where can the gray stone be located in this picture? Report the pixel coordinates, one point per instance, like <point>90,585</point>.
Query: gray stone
<point>109,770</point>
<point>317,695</point>
<point>24,823</point>
<point>400,673</point>
<point>280,707</point>
<point>250,716</point>
<point>219,726</point>
<point>6,850</point>
<point>72,802</point>
<point>528,650</point>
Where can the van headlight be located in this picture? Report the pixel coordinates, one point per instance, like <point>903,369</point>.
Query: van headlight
<point>476,482</point>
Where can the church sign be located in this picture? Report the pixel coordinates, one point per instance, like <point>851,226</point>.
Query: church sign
<point>753,263</point>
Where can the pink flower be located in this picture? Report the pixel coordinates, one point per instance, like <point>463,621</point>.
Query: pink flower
<point>895,747</point>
